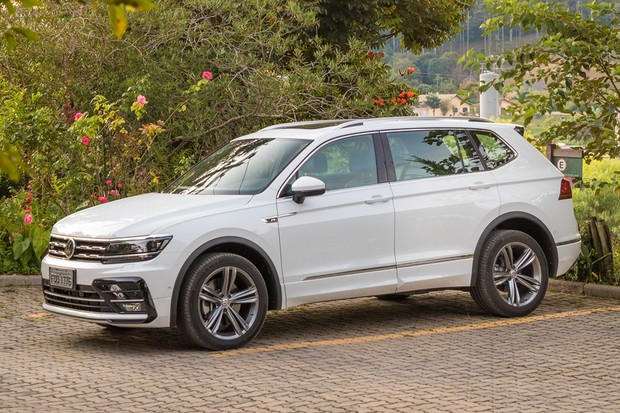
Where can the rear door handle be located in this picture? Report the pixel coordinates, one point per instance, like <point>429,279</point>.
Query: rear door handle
<point>480,185</point>
<point>376,199</point>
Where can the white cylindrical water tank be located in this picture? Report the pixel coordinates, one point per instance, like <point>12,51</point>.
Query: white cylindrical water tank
<point>489,100</point>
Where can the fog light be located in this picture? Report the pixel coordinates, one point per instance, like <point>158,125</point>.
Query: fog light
<point>126,295</point>
<point>132,307</point>
<point>118,292</point>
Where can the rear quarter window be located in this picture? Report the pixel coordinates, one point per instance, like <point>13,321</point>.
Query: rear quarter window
<point>493,150</point>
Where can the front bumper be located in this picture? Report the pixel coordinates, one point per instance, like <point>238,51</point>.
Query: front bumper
<point>90,300</point>
<point>111,300</point>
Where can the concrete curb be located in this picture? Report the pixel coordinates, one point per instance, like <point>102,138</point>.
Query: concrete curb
<point>20,280</point>
<point>579,288</point>
<point>556,286</point>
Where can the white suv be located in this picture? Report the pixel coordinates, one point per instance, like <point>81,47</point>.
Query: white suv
<point>315,211</point>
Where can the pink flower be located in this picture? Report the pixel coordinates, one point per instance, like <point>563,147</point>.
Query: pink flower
<point>114,193</point>
<point>27,219</point>
<point>141,100</point>
<point>78,116</point>
<point>102,199</point>
<point>85,140</point>
<point>119,186</point>
<point>108,182</point>
<point>207,75</point>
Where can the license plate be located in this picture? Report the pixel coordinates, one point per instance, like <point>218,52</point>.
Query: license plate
<point>62,278</point>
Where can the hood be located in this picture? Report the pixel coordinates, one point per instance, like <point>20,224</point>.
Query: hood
<point>143,214</point>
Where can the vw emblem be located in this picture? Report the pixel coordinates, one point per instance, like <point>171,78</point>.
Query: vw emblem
<point>69,248</point>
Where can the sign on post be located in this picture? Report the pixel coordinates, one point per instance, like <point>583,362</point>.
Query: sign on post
<point>568,161</point>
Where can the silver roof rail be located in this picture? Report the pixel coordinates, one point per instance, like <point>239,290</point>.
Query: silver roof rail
<point>349,123</point>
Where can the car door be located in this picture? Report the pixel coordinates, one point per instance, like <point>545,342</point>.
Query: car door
<point>339,244</point>
<point>443,199</point>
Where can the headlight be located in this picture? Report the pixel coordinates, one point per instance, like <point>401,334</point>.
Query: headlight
<point>138,249</point>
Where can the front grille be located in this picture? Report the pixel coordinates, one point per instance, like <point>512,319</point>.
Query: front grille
<point>85,249</point>
<point>85,298</point>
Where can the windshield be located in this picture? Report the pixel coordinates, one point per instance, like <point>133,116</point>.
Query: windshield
<point>241,167</point>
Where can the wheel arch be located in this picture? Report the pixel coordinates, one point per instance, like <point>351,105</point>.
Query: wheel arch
<point>240,246</point>
<point>526,223</point>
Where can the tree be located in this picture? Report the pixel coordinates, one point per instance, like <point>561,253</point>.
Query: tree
<point>263,71</point>
<point>420,23</point>
<point>116,9</point>
<point>433,102</point>
<point>577,58</point>
<point>10,162</point>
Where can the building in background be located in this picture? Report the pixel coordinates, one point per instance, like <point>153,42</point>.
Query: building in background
<point>452,104</point>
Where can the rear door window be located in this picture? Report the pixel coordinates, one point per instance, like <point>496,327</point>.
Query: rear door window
<point>429,153</point>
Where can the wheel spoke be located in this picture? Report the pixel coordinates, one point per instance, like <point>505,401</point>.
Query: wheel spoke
<point>228,280</point>
<point>237,322</point>
<point>212,324</point>
<point>207,294</point>
<point>527,257</point>
<point>514,297</point>
<point>508,256</point>
<point>500,278</point>
<point>530,283</point>
<point>249,295</point>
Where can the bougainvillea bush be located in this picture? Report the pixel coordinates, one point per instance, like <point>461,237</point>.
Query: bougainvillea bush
<point>70,160</point>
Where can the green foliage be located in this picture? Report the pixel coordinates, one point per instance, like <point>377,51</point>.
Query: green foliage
<point>10,161</point>
<point>585,269</point>
<point>268,68</point>
<point>102,118</point>
<point>420,23</point>
<point>599,194</point>
<point>23,239</point>
<point>576,57</point>
<point>438,73</point>
<point>116,10</point>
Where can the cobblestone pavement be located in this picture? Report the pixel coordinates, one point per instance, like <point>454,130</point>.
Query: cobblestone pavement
<point>429,353</point>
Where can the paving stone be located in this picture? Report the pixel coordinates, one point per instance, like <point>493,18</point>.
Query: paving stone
<point>434,352</point>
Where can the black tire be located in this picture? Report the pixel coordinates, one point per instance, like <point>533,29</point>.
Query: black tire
<point>393,297</point>
<point>223,302</point>
<point>512,274</point>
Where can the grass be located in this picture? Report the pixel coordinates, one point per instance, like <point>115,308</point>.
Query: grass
<point>598,195</point>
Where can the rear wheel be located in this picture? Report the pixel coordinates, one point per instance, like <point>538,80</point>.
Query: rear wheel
<point>512,274</point>
<point>223,302</point>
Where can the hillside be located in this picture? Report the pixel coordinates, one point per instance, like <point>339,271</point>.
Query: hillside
<point>437,70</point>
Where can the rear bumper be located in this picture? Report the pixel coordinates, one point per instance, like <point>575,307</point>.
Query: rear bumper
<point>568,252</point>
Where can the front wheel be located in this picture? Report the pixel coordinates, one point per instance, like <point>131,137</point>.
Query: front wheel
<point>223,302</point>
<point>512,274</point>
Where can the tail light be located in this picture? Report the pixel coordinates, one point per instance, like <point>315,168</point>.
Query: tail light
<point>566,189</point>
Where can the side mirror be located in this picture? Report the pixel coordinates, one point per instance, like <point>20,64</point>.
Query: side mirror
<point>307,186</point>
